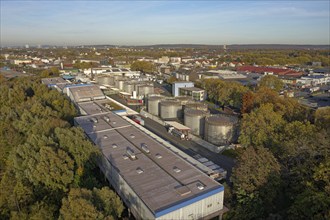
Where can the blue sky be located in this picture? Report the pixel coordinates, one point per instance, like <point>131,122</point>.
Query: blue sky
<point>60,22</point>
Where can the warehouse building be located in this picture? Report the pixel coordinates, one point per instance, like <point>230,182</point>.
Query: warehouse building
<point>153,181</point>
<point>84,93</point>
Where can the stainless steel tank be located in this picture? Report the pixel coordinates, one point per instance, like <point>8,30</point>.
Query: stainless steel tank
<point>145,90</point>
<point>129,87</point>
<point>120,84</point>
<point>105,80</point>
<point>170,109</point>
<point>221,129</point>
<point>153,104</point>
<point>195,120</point>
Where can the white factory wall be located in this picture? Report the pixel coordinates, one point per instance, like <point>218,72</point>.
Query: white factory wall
<point>132,201</point>
<point>197,210</point>
<point>176,86</point>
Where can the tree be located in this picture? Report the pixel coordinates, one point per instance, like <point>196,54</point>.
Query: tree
<point>261,127</point>
<point>322,117</point>
<point>143,66</point>
<point>256,181</point>
<point>79,205</point>
<point>271,82</point>
<point>86,204</point>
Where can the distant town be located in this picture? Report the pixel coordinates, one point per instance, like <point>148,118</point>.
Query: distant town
<point>181,131</point>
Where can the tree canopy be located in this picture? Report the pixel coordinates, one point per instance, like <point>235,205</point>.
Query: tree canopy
<point>43,159</point>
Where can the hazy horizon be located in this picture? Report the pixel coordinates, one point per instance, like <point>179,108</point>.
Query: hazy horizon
<point>138,23</point>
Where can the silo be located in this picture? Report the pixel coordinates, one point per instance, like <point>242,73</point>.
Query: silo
<point>145,89</point>
<point>170,109</point>
<point>105,80</point>
<point>129,87</point>
<point>221,129</point>
<point>197,105</point>
<point>120,84</point>
<point>195,120</point>
<point>153,104</point>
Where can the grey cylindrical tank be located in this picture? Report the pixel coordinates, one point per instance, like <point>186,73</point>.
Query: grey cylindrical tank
<point>153,104</point>
<point>170,109</point>
<point>221,129</point>
<point>197,105</point>
<point>195,120</point>
<point>105,80</point>
<point>145,89</point>
<point>129,87</point>
<point>120,84</point>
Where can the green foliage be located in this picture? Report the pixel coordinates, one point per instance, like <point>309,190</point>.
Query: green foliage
<point>261,127</point>
<point>271,82</point>
<point>143,66</point>
<point>226,93</point>
<point>256,179</point>
<point>41,156</point>
<point>86,204</point>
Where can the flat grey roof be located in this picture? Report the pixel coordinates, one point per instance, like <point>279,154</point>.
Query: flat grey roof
<point>94,107</point>
<point>194,89</point>
<point>54,80</point>
<point>83,93</point>
<point>166,180</point>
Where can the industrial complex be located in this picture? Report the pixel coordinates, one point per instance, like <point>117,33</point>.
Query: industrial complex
<point>154,179</point>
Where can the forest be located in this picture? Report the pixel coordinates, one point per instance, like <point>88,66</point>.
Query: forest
<point>283,165</point>
<point>48,168</point>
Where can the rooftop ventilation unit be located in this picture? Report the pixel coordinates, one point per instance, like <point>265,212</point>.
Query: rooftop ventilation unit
<point>145,148</point>
<point>94,120</point>
<point>131,153</point>
<point>139,170</point>
<point>176,169</point>
<point>200,186</point>
<point>158,156</point>
<point>106,118</point>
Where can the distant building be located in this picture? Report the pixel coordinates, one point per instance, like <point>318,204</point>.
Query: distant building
<point>313,80</point>
<point>180,84</point>
<point>195,93</point>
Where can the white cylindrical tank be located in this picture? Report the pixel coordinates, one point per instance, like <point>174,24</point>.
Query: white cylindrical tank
<point>153,104</point>
<point>221,129</point>
<point>105,80</point>
<point>170,109</point>
<point>145,90</point>
<point>129,87</point>
<point>120,84</point>
<point>195,120</point>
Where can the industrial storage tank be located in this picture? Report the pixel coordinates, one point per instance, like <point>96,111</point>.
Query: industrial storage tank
<point>120,84</point>
<point>195,120</point>
<point>197,105</point>
<point>105,80</point>
<point>170,109</point>
<point>145,89</point>
<point>221,129</point>
<point>153,104</point>
<point>129,87</point>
